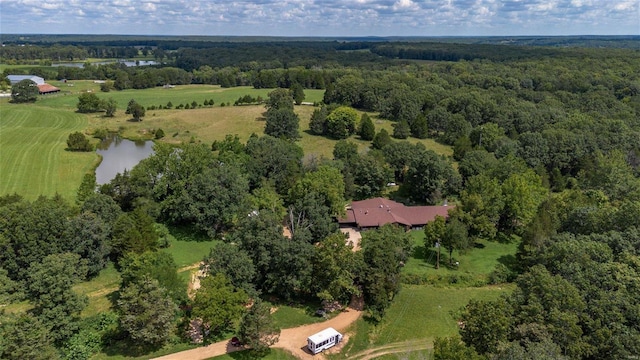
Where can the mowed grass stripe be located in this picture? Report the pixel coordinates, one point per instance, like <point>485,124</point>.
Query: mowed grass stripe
<point>33,160</point>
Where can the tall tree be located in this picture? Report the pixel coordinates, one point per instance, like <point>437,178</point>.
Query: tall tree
<point>297,92</point>
<point>434,232</point>
<point>282,123</point>
<point>367,129</point>
<point>156,265</point>
<point>24,91</point>
<point>258,329</point>
<point>232,262</point>
<point>342,122</point>
<point>218,303</point>
<point>50,290</point>
<point>146,312</point>
<point>26,337</point>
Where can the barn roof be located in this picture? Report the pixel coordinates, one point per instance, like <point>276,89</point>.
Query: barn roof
<point>380,211</point>
<point>14,79</point>
<point>46,88</point>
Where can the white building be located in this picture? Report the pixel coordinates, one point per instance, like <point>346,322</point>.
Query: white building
<point>14,79</point>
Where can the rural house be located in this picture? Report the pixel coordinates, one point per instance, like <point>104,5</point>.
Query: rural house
<point>373,213</point>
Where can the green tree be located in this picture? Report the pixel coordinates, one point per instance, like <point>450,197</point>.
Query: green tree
<point>384,252</point>
<point>486,324</point>
<point>325,180</point>
<point>77,141</point>
<point>50,291</point>
<point>452,348</point>
<point>522,194</point>
<point>297,92</point>
<point>89,103</point>
<point>147,312</point>
<point>342,122</point>
<point>88,236</point>
<point>232,262</point>
<point>279,99</point>
<point>258,329</point>
<point>335,267</point>
<point>420,127</point>
<point>370,177</point>
<point>430,177</point>
<point>87,187</point>
<point>318,122</point>
<point>456,238</point>
<point>136,110</point>
<point>110,106</point>
<point>381,139</point>
<point>401,130</point>
<point>9,289</point>
<point>24,91</point>
<point>434,232</point>
<point>26,337</point>
<point>156,265</point>
<point>367,129</point>
<point>282,123</point>
<point>345,150</point>
<point>218,303</point>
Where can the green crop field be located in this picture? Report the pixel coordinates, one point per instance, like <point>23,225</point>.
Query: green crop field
<point>33,159</point>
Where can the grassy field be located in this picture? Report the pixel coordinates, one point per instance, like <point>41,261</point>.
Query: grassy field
<point>274,354</point>
<point>418,315</point>
<point>33,159</point>
<point>474,265</point>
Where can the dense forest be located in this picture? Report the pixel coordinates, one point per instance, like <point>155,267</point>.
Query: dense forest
<point>546,154</point>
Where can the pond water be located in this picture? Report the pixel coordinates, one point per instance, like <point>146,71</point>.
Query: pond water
<point>119,155</point>
<point>128,63</point>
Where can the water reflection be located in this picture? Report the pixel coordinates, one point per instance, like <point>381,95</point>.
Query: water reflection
<point>119,155</point>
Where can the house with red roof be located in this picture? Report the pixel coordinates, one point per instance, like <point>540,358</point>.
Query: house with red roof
<point>373,213</point>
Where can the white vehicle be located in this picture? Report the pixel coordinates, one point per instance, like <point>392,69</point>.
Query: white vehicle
<point>323,340</point>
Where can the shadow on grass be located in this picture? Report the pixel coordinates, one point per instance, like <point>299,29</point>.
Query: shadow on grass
<point>188,233</point>
<point>509,261</point>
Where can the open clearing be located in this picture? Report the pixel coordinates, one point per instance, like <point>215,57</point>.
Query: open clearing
<point>33,159</point>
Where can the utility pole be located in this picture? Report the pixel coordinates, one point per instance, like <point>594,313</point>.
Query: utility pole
<point>438,257</point>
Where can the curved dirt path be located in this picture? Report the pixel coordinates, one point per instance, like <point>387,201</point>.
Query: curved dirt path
<point>293,339</point>
<point>393,348</point>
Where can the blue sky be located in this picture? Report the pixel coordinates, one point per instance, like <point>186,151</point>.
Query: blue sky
<point>322,18</point>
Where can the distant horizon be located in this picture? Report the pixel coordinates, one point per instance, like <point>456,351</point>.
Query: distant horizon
<point>322,18</point>
<point>327,37</point>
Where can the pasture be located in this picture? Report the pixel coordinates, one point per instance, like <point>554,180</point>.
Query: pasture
<point>33,159</point>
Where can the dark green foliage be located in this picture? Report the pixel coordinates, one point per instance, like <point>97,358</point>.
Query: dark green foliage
<point>110,106</point>
<point>401,130</point>
<point>275,160</point>
<point>345,150</point>
<point>335,267</point>
<point>452,348</point>
<point>88,236</point>
<point>297,92</point>
<point>133,233</point>
<point>381,139</point>
<point>279,99</point>
<point>218,304</point>
<point>370,177</point>
<point>26,337</point>
<point>159,134</point>
<point>146,312</point>
<point>282,123</point>
<point>155,265</point>
<point>77,141</point>
<point>24,91</point>
<point>367,129</point>
<point>31,231</point>
<point>136,110</point>
<point>234,263</point>
<point>430,178</point>
<point>87,187</point>
<point>257,328</point>
<point>486,324</point>
<point>9,289</point>
<point>50,283</point>
<point>420,127</point>
<point>384,252</point>
<point>89,103</point>
<point>318,122</point>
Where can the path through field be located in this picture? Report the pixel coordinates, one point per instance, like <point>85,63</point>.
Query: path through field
<point>394,348</point>
<point>293,339</point>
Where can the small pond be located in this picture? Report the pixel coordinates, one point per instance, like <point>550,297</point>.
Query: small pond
<point>119,155</point>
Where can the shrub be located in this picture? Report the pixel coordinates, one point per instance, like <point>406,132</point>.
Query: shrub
<point>77,141</point>
<point>159,134</point>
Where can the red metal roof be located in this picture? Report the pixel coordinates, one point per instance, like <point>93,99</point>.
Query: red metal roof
<point>380,211</point>
<point>46,88</point>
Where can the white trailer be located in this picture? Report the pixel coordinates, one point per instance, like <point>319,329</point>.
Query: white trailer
<point>323,340</point>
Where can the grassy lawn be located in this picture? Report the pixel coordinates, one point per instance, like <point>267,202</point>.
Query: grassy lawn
<point>274,354</point>
<point>418,313</point>
<point>292,316</point>
<point>474,264</point>
<point>33,159</point>
<point>186,253</point>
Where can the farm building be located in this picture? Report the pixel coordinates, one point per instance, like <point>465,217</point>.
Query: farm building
<point>14,79</point>
<point>43,87</point>
<point>373,213</point>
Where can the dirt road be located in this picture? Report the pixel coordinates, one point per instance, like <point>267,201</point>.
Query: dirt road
<point>293,339</point>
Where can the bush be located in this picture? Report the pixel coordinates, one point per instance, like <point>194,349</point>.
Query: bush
<point>159,134</point>
<point>501,274</point>
<point>101,133</point>
<point>77,141</point>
